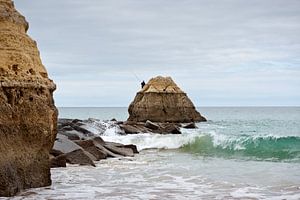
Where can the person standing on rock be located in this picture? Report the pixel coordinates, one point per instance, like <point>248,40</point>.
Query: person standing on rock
<point>143,84</point>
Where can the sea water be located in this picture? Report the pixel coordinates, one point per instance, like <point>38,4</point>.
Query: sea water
<point>239,153</point>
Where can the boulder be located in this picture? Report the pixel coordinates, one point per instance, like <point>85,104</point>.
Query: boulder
<point>59,161</point>
<point>82,130</point>
<point>119,150</point>
<point>64,145</point>
<point>72,135</point>
<point>66,128</point>
<point>129,129</point>
<point>96,152</point>
<point>190,125</point>
<point>98,140</point>
<point>80,157</point>
<point>161,100</point>
<point>28,116</point>
<point>89,146</point>
<point>55,153</point>
<point>106,151</point>
<point>171,129</point>
<point>85,143</point>
<point>151,125</point>
<point>129,146</point>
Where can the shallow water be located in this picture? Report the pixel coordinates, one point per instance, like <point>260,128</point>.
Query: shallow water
<point>240,153</point>
<point>155,174</point>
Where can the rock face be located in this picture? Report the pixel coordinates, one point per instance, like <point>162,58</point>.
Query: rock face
<point>28,116</point>
<point>161,100</point>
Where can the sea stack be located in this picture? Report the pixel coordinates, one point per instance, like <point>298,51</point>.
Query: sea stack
<point>161,100</point>
<point>28,116</point>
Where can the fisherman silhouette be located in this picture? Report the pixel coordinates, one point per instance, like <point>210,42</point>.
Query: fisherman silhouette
<point>143,84</point>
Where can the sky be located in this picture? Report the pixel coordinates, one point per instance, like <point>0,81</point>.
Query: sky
<point>221,53</point>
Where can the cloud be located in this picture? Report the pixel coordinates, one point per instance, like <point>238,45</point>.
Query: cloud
<point>210,47</point>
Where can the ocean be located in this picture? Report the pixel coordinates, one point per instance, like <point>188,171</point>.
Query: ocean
<point>239,153</point>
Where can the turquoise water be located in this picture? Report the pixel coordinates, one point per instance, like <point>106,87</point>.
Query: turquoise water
<point>259,133</point>
<point>239,153</point>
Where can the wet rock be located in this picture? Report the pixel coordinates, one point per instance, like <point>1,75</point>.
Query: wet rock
<point>161,100</point>
<point>82,130</point>
<point>72,135</point>
<point>120,150</point>
<point>171,128</point>
<point>74,121</point>
<point>85,143</point>
<point>89,146</point>
<point>191,125</point>
<point>58,161</point>
<point>151,125</point>
<point>119,122</point>
<point>28,116</point>
<point>79,157</point>
<point>64,145</point>
<point>66,128</point>
<point>98,140</point>
<point>106,151</point>
<point>130,146</point>
<point>129,129</point>
<point>55,152</point>
<point>96,152</point>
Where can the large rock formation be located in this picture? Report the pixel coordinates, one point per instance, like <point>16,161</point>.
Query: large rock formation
<point>161,100</point>
<point>28,116</point>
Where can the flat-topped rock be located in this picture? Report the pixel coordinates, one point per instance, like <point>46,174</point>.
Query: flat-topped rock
<point>161,100</point>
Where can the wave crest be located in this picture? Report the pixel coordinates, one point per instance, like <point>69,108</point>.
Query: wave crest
<point>259,147</point>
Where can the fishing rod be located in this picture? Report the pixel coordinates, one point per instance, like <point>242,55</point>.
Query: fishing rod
<point>137,78</point>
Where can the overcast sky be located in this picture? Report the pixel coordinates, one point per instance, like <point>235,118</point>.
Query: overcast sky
<point>222,53</point>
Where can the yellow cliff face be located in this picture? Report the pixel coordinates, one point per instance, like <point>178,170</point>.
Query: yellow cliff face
<point>161,100</point>
<point>161,85</point>
<point>19,55</point>
<point>28,116</point>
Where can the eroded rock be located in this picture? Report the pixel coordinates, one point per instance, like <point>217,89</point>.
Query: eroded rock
<point>161,100</point>
<point>28,115</point>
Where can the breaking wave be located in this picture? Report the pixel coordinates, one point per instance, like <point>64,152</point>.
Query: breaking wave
<point>252,147</point>
<point>207,143</point>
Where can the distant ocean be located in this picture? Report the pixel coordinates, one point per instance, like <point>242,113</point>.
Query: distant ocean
<point>240,153</point>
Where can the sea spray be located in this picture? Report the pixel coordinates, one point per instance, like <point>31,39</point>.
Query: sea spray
<point>206,141</point>
<point>247,147</point>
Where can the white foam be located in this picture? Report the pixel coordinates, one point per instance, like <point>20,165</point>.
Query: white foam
<point>153,141</point>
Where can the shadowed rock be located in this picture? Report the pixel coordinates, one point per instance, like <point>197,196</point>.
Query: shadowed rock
<point>64,145</point>
<point>191,125</point>
<point>79,157</point>
<point>119,150</point>
<point>69,149</point>
<point>161,100</point>
<point>129,129</point>
<point>28,116</point>
<point>58,161</point>
<point>89,146</point>
<point>151,125</point>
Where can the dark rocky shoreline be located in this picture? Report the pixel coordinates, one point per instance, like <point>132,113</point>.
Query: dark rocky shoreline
<point>75,144</point>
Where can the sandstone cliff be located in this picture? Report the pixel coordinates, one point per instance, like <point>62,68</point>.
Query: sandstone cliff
<point>28,116</point>
<point>161,100</point>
